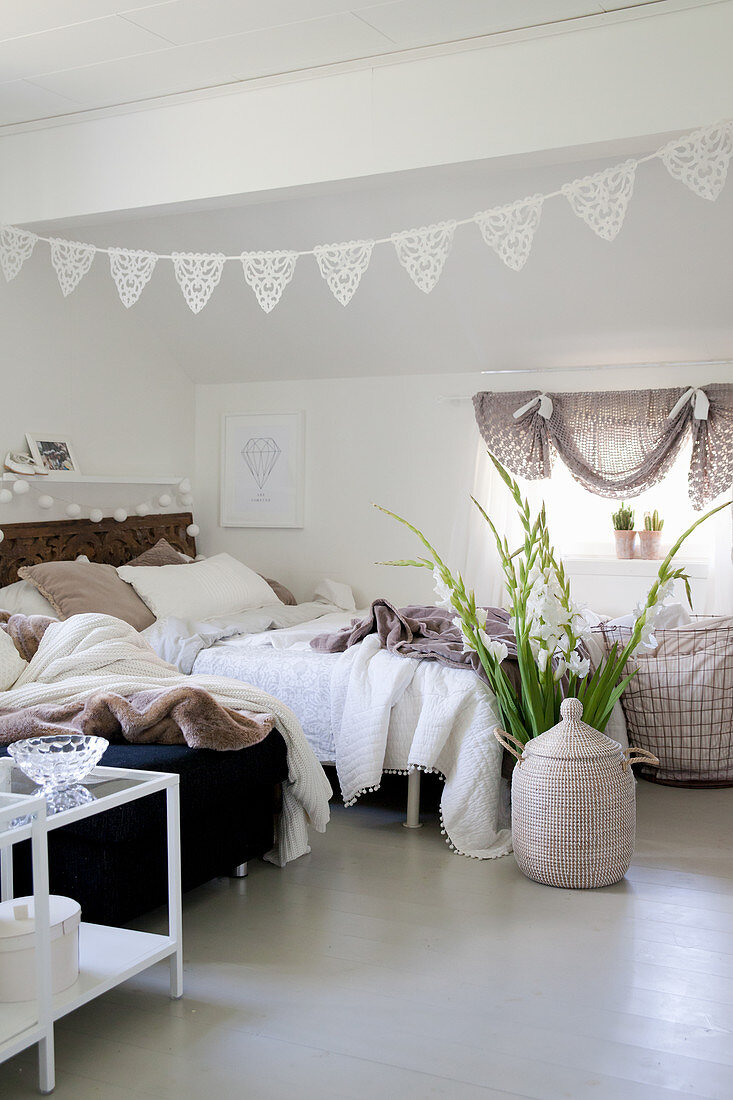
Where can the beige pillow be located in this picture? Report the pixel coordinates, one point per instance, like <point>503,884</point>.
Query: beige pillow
<point>283,594</point>
<point>80,587</point>
<point>160,554</point>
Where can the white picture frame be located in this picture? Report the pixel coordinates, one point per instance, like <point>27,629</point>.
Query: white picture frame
<point>52,453</point>
<point>262,469</point>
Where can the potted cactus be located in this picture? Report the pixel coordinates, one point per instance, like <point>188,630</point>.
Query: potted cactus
<point>623,530</point>
<point>650,539</point>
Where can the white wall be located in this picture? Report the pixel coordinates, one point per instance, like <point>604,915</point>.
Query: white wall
<point>613,77</point>
<point>74,367</point>
<point>388,440</point>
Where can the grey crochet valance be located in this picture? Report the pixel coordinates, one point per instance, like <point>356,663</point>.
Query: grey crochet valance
<point>615,443</point>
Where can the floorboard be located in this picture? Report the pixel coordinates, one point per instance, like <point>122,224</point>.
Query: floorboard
<point>383,964</point>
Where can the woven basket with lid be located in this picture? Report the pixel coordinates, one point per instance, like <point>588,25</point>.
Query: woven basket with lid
<point>573,803</point>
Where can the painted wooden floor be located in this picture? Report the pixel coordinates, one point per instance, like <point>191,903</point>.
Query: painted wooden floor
<point>383,965</point>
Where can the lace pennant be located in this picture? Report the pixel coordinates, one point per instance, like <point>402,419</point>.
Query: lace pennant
<point>198,275</point>
<point>701,160</point>
<point>601,200</point>
<point>131,270</point>
<point>510,229</point>
<point>71,260</point>
<point>342,266</point>
<point>268,273</point>
<point>16,246</point>
<point>423,252</point>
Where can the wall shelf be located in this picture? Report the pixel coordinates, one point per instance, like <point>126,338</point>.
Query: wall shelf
<point>72,478</point>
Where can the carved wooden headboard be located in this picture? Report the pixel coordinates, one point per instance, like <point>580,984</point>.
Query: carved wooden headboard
<point>109,542</point>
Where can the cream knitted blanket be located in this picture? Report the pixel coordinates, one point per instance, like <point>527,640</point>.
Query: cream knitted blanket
<point>90,653</point>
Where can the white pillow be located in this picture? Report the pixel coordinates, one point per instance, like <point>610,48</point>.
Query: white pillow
<point>11,662</point>
<point>335,592</point>
<point>23,598</point>
<point>202,590</point>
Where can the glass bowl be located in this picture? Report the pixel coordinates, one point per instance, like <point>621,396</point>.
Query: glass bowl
<point>59,761</point>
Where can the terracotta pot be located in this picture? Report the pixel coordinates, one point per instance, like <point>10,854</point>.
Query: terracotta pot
<point>650,543</point>
<point>625,543</point>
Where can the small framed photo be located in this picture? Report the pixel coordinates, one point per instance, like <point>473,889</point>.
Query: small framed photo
<point>262,467</point>
<point>53,454</point>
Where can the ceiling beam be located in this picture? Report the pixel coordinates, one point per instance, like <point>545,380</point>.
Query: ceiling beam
<point>603,81</point>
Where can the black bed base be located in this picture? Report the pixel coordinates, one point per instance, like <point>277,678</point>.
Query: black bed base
<point>114,864</point>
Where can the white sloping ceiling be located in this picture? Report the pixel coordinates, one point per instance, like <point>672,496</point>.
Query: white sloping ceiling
<point>661,290</point>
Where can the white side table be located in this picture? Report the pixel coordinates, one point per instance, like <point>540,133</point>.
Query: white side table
<point>107,956</point>
<point>23,817</point>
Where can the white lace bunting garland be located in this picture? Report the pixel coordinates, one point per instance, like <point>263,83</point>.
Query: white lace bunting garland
<point>423,252</point>
<point>71,260</point>
<point>268,273</point>
<point>16,246</point>
<point>342,266</point>
<point>131,270</point>
<point>510,229</point>
<point>701,159</point>
<point>602,199</point>
<point>198,275</point>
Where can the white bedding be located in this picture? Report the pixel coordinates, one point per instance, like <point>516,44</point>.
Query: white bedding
<point>90,653</point>
<point>372,711</point>
<point>301,679</point>
<point>367,710</point>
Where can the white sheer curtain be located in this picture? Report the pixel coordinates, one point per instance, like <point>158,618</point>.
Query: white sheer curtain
<point>473,549</point>
<point>720,588</point>
<point>579,522</point>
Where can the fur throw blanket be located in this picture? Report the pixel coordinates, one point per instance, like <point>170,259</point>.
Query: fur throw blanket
<point>184,715</point>
<point>25,631</point>
<point>177,716</point>
<point>95,673</point>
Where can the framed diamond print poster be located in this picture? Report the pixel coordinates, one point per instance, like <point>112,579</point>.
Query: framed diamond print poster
<point>262,470</point>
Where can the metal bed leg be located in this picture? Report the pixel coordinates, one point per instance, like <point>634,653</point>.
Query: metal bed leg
<point>240,871</point>
<point>412,818</point>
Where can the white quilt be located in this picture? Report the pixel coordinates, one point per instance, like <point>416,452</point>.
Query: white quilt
<point>90,653</point>
<point>387,714</point>
<point>394,714</point>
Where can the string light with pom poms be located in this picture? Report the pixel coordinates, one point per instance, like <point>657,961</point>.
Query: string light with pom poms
<point>20,487</point>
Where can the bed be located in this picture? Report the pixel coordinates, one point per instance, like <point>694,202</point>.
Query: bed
<point>220,834</point>
<point>367,711</point>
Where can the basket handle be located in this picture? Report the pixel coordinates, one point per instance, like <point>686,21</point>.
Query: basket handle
<point>638,756</point>
<point>505,738</point>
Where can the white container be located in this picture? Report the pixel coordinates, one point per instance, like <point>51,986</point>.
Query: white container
<point>18,946</point>
<point>573,804</point>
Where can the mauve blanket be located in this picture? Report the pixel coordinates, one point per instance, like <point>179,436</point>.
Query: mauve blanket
<point>424,633</point>
<point>182,715</point>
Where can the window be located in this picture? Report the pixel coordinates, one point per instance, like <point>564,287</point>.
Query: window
<point>580,522</point>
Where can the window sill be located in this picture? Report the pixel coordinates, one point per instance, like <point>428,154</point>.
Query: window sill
<point>608,566</point>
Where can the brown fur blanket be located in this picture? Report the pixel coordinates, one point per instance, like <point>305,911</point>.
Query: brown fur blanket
<point>176,716</point>
<point>25,630</point>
